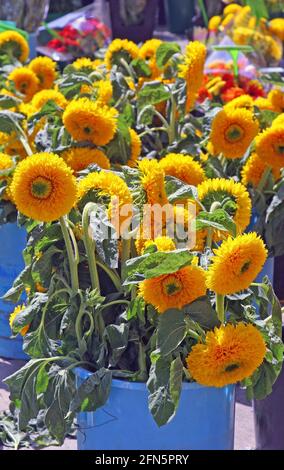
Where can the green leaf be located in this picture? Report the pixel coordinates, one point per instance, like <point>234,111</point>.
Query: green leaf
<point>54,421</point>
<point>37,344</point>
<point>152,93</point>
<point>10,121</point>
<point>161,403</point>
<point>42,380</point>
<point>93,392</point>
<point>165,51</point>
<point>7,101</point>
<point>171,331</point>
<point>117,336</point>
<point>177,190</point>
<point>202,312</point>
<point>155,264</point>
<point>136,308</point>
<point>141,68</point>
<point>219,220</point>
<point>33,309</point>
<point>176,375</point>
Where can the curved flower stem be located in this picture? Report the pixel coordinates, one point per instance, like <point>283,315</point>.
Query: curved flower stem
<point>114,277</point>
<point>172,126</point>
<point>115,302</point>
<point>73,263</point>
<point>127,68</point>
<point>90,246</point>
<point>23,139</point>
<point>220,307</point>
<point>149,131</point>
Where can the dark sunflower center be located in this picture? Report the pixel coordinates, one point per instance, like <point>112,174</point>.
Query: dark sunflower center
<point>172,286</point>
<point>41,188</point>
<point>280,149</point>
<point>23,86</point>
<point>232,367</point>
<point>234,133</point>
<point>87,130</point>
<point>245,267</point>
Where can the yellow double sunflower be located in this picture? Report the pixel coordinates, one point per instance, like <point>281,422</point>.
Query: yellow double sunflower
<point>91,121</point>
<point>217,189</point>
<point>153,181</point>
<point>121,49</point>
<point>25,82</point>
<point>43,96</point>
<point>254,169</point>
<point>183,167</point>
<point>270,146</point>
<point>192,71</point>
<point>236,264</point>
<point>229,355</point>
<point>174,290</point>
<point>233,130</point>
<point>13,43</point>
<point>79,158</point>
<point>45,70</point>
<point>43,187</point>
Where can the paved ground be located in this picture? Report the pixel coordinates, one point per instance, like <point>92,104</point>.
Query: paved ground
<point>244,432</point>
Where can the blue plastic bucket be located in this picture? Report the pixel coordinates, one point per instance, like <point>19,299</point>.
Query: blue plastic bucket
<point>12,243</point>
<point>204,420</point>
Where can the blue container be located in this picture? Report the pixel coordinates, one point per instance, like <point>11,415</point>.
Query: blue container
<point>204,420</point>
<point>12,243</point>
<point>33,44</point>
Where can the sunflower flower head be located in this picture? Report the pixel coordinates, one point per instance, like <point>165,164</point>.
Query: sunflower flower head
<point>45,70</point>
<point>243,102</point>
<point>79,158</point>
<point>104,91</point>
<point>174,290</point>
<point>192,70</point>
<point>254,169</point>
<point>233,130</point>
<point>276,27</point>
<point>6,163</point>
<point>25,82</point>
<point>135,148</point>
<point>153,181</point>
<point>84,64</point>
<point>183,167</point>
<point>276,97</point>
<point>270,146</point>
<point>214,23</point>
<point>121,50</point>
<point>43,96</point>
<point>236,264</point>
<point>148,53</point>
<point>238,200</point>
<point>90,121</point>
<point>111,189</point>
<point>17,311</point>
<point>229,355</point>
<point>162,243</point>
<point>232,8</point>
<point>15,43</point>
<point>43,187</point>
<point>279,120</point>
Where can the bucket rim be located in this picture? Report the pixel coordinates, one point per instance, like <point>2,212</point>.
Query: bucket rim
<point>126,384</point>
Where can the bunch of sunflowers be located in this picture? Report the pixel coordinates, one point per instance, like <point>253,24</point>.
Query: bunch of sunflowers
<point>90,157</point>
<point>245,28</point>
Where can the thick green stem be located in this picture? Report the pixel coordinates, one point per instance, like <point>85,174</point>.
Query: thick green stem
<point>220,307</point>
<point>172,127</point>
<point>115,302</point>
<point>73,264</point>
<point>90,247</point>
<point>125,252</point>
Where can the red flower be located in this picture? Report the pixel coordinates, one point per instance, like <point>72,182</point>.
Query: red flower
<point>230,93</point>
